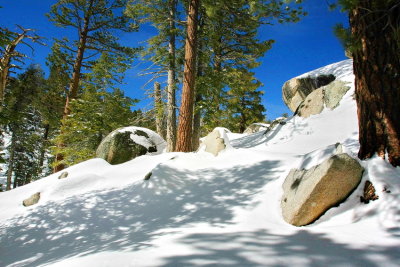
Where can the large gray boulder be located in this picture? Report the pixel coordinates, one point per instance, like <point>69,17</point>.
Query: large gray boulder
<point>295,91</point>
<point>32,200</point>
<point>308,194</point>
<point>313,104</point>
<point>334,92</point>
<point>128,143</point>
<point>327,96</point>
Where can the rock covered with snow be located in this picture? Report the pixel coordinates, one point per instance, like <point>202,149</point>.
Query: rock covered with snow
<point>310,193</point>
<point>295,91</point>
<point>128,143</point>
<point>331,83</point>
<point>256,127</point>
<point>216,141</point>
<point>327,96</point>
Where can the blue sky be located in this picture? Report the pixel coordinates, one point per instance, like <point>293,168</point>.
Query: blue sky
<point>299,47</point>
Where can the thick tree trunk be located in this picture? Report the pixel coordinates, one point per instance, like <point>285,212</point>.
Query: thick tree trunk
<point>184,142</point>
<point>158,106</point>
<point>377,79</point>
<point>11,163</point>
<point>171,101</point>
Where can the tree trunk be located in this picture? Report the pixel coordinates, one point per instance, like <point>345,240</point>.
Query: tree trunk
<point>158,106</point>
<point>11,162</point>
<point>5,62</point>
<point>377,79</point>
<point>171,101</point>
<point>198,94</point>
<point>73,86</point>
<point>196,124</point>
<point>184,142</point>
<point>44,141</point>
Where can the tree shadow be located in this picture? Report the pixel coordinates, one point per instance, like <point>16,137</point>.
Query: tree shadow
<point>130,218</point>
<point>261,248</point>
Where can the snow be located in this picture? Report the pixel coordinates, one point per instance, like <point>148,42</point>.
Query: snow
<point>202,210</point>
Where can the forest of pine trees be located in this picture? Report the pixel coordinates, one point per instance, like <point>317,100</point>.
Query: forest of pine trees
<point>203,54</point>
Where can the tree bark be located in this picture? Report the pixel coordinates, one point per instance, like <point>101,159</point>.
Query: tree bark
<point>45,139</point>
<point>5,64</point>
<point>377,78</point>
<point>184,142</point>
<point>11,163</point>
<point>158,106</point>
<point>74,84</point>
<point>171,91</point>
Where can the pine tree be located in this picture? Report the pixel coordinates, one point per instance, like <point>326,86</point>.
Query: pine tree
<point>229,49</point>
<point>184,140</point>
<point>24,125</point>
<point>162,50</point>
<point>95,23</point>
<point>243,103</point>
<point>10,57</point>
<point>101,108</point>
<point>375,46</point>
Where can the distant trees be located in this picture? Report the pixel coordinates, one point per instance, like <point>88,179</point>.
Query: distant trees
<point>374,43</point>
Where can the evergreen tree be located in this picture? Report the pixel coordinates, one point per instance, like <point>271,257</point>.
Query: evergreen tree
<point>24,125</point>
<point>229,48</point>
<point>184,140</point>
<point>162,50</point>
<point>96,23</point>
<point>101,109</point>
<point>375,46</point>
<point>243,103</point>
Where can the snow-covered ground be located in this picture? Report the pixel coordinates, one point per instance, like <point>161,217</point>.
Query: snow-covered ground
<point>202,210</point>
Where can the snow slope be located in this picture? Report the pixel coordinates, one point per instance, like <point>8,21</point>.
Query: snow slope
<point>201,210</point>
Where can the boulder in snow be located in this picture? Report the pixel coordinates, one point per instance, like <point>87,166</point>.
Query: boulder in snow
<point>329,96</point>
<point>128,143</point>
<point>256,127</point>
<point>63,175</point>
<point>310,193</point>
<point>334,92</point>
<point>32,200</point>
<point>295,91</point>
<point>215,142</point>
<point>313,104</point>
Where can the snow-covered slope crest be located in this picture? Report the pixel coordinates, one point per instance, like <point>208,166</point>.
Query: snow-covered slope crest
<point>200,210</point>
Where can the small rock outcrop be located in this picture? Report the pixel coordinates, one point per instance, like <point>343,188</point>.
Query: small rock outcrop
<point>308,194</point>
<point>295,91</point>
<point>63,175</point>
<point>214,142</point>
<point>32,200</point>
<point>256,127</point>
<point>128,143</point>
